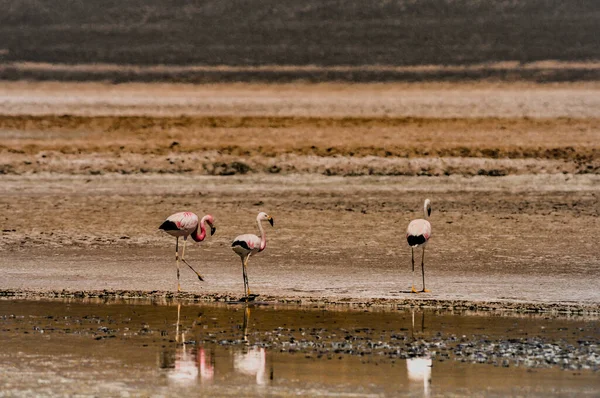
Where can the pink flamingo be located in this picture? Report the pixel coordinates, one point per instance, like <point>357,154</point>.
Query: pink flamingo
<point>186,224</point>
<point>248,245</point>
<point>418,234</point>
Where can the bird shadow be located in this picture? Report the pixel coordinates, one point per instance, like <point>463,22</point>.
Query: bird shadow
<point>250,300</point>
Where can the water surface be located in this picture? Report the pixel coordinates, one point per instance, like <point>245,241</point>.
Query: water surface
<point>142,348</point>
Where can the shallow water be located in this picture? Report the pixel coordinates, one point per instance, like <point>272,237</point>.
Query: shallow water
<point>144,348</point>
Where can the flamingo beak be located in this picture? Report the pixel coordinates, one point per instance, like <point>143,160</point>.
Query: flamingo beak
<point>212,230</point>
<point>429,211</point>
<point>271,221</point>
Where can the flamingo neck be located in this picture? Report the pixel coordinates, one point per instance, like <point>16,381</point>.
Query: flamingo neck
<point>263,236</point>
<point>199,237</point>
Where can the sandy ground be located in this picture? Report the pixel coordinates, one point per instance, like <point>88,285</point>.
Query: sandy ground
<point>332,129</point>
<point>448,100</point>
<point>83,188</point>
<point>519,239</point>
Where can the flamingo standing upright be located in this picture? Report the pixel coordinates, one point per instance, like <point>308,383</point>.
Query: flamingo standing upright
<point>183,225</point>
<point>418,234</point>
<point>248,245</point>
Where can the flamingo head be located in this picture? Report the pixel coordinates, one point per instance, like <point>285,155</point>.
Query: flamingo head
<point>427,207</point>
<point>262,216</point>
<point>210,220</point>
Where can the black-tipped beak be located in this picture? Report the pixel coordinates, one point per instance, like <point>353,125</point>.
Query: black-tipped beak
<point>212,230</point>
<point>271,221</point>
<point>428,212</point>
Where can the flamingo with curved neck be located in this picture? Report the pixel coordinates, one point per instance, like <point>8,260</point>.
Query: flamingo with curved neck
<point>263,234</point>
<point>207,219</point>
<point>186,224</point>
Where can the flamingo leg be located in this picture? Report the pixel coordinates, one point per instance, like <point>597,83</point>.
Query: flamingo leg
<point>245,278</point>
<point>412,252</point>
<point>249,295</point>
<point>412,330</point>
<point>177,325</point>
<point>423,270</point>
<point>245,324</point>
<point>185,262</point>
<point>177,261</point>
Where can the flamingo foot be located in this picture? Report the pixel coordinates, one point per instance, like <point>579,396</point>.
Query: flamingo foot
<point>413,290</point>
<point>425,291</point>
<point>200,277</point>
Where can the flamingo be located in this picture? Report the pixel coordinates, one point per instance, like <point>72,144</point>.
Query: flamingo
<point>417,234</point>
<point>248,245</point>
<point>186,224</point>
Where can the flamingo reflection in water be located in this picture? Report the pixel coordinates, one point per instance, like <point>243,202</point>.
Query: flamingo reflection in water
<point>419,368</point>
<point>251,361</point>
<point>191,363</point>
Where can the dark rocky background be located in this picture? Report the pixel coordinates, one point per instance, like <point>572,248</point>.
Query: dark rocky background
<point>309,32</point>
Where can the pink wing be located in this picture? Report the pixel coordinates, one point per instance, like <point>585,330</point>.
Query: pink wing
<point>246,242</point>
<point>184,220</point>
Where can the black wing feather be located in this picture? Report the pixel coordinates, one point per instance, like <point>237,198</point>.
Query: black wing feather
<point>168,226</point>
<point>240,243</point>
<point>415,240</point>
